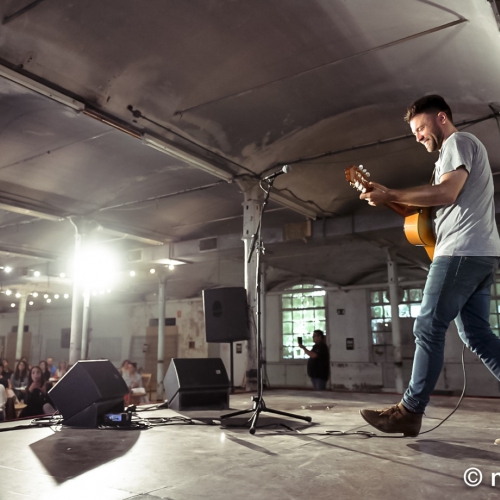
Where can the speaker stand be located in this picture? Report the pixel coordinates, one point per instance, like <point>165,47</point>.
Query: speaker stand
<point>232,366</point>
<point>259,404</point>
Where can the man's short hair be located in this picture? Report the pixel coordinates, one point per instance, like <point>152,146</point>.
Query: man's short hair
<point>428,104</point>
<point>321,333</point>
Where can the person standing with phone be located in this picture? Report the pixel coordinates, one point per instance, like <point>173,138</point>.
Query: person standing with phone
<point>318,364</point>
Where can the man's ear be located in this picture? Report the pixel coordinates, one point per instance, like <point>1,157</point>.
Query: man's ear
<point>442,118</point>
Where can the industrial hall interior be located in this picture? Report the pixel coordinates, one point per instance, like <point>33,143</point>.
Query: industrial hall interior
<point>249,249</point>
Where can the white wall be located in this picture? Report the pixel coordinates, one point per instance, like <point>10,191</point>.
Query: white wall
<point>367,367</point>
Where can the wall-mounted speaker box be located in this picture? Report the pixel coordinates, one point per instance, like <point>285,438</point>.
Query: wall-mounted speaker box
<point>226,314</point>
<point>87,391</point>
<point>197,384</point>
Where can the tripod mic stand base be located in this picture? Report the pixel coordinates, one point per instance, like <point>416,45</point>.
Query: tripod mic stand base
<point>258,407</point>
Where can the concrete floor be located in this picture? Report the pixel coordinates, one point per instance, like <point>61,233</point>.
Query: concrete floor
<point>299,461</point>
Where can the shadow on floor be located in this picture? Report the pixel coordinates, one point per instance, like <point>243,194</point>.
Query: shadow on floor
<point>71,452</point>
<point>451,451</point>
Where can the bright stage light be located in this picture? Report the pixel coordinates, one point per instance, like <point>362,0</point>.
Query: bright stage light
<point>8,269</point>
<point>97,267</point>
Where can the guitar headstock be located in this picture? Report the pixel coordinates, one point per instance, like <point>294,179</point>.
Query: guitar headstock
<point>358,178</point>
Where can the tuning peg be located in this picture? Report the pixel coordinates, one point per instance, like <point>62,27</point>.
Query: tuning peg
<point>360,167</point>
<point>367,173</point>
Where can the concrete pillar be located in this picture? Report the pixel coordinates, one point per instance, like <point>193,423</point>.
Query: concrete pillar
<point>85,324</point>
<point>20,326</point>
<point>161,336</point>
<point>253,197</point>
<point>392,271</point>
<point>75,343</point>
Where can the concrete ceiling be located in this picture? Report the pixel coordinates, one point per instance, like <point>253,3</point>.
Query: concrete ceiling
<point>234,90</point>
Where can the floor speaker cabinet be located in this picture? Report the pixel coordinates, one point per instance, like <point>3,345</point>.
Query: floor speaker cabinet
<point>197,384</point>
<point>87,391</point>
<point>226,314</point>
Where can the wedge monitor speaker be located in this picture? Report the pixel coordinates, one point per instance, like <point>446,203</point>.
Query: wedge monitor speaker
<point>197,384</point>
<point>88,391</point>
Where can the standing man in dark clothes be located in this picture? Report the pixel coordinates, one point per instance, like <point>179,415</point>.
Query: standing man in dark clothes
<point>318,364</point>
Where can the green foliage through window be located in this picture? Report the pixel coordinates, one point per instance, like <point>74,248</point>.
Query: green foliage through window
<point>303,311</point>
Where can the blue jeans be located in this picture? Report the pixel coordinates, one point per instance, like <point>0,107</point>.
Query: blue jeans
<point>319,384</point>
<point>457,288</point>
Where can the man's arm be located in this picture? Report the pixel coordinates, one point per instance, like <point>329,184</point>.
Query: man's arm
<point>311,354</point>
<point>444,193</point>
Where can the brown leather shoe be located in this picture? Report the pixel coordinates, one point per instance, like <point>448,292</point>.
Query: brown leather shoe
<point>396,419</point>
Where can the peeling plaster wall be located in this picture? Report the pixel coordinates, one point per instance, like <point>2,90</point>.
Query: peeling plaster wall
<point>113,326</point>
<point>119,332</point>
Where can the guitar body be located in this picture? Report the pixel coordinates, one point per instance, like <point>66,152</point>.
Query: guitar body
<point>418,221</point>
<point>419,231</point>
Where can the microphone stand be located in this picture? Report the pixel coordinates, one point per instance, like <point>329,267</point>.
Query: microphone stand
<point>259,404</point>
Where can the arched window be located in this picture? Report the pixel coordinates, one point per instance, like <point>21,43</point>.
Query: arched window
<point>303,310</point>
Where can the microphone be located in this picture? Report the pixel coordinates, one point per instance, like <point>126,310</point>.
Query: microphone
<point>283,170</point>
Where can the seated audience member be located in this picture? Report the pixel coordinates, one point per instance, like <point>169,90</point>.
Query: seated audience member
<point>134,383</point>
<point>8,372</point>
<point>4,380</point>
<point>45,370</point>
<point>63,368</point>
<point>3,401</point>
<point>19,379</point>
<point>25,360</point>
<point>51,367</point>
<point>36,399</point>
<point>132,378</point>
<point>124,368</point>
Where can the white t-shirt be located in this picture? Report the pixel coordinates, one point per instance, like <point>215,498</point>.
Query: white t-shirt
<point>467,227</point>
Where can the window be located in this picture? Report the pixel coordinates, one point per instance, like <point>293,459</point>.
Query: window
<point>303,310</point>
<point>380,310</point>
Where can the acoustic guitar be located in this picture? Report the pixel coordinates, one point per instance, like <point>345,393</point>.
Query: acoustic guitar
<point>418,220</point>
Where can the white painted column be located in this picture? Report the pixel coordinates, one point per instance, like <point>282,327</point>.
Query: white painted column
<point>161,336</point>
<point>253,196</point>
<point>20,326</point>
<point>392,271</point>
<point>85,324</point>
<point>75,343</point>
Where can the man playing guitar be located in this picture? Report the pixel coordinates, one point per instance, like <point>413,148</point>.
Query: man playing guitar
<point>465,261</point>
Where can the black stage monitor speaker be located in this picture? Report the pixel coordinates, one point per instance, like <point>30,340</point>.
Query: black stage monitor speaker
<point>87,391</point>
<point>226,314</point>
<point>197,384</point>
